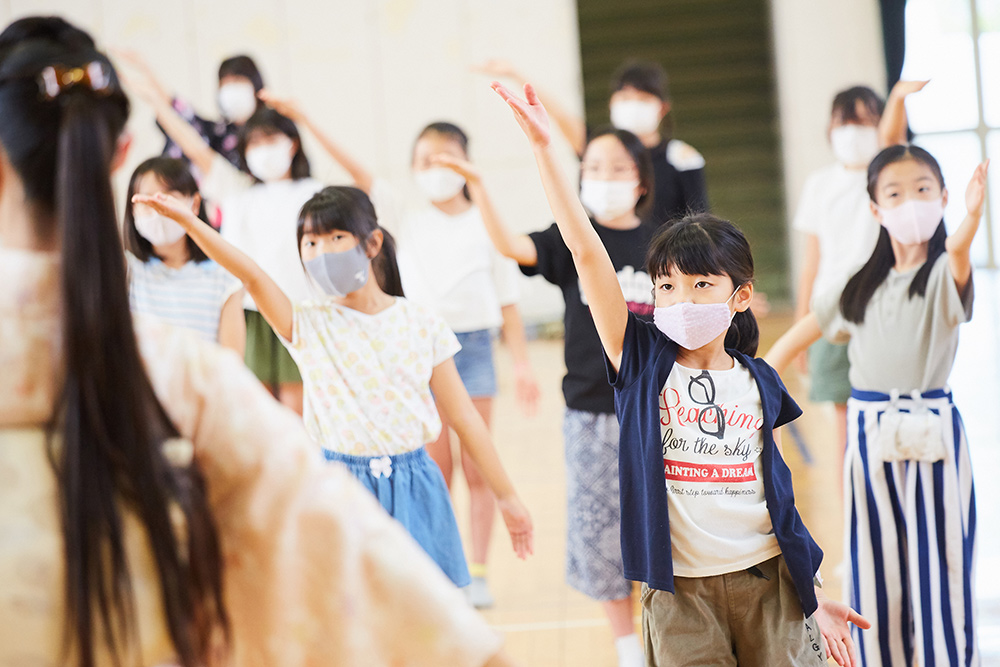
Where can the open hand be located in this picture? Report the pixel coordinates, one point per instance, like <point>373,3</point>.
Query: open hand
<point>171,207</point>
<point>518,521</point>
<point>462,167</point>
<point>835,620</point>
<point>526,389</point>
<point>904,88</point>
<point>284,105</point>
<point>976,191</point>
<point>529,112</point>
<point>139,78</point>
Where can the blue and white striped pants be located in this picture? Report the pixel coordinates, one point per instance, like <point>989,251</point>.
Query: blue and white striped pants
<point>910,530</point>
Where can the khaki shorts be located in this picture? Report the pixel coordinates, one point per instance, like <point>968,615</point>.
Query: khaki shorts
<point>739,618</point>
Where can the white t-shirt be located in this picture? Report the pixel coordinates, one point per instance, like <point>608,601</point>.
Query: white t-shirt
<point>715,491</point>
<point>835,207</point>
<point>261,220</point>
<point>448,264</point>
<point>367,377</point>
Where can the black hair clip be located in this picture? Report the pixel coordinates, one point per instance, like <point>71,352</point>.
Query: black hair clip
<point>56,79</point>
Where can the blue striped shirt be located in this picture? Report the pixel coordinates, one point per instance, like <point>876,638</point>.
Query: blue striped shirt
<point>190,297</point>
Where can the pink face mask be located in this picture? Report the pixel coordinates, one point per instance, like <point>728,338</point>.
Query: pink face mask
<point>693,325</point>
<point>913,221</point>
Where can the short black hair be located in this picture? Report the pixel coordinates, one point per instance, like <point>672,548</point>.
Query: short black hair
<point>644,75</point>
<point>242,65</point>
<point>643,165</point>
<point>451,131</point>
<point>845,104</point>
<point>704,244</point>
<point>269,121</point>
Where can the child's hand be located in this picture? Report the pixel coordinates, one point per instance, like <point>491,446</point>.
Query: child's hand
<point>835,620</point>
<point>526,389</point>
<point>518,521</point>
<point>462,167</point>
<point>284,105</point>
<point>169,206</point>
<point>529,112</point>
<point>904,88</point>
<point>976,191</point>
<point>140,79</point>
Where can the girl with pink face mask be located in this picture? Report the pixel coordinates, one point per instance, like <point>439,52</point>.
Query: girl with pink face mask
<point>708,518</point>
<point>910,541</point>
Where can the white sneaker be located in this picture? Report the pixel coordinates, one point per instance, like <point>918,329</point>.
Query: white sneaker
<point>629,651</point>
<point>478,593</point>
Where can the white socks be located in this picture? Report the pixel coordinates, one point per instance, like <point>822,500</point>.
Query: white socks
<point>630,651</point>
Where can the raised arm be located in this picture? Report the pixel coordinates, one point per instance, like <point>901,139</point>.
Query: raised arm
<point>796,340</point>
<point>290,108</point>
<point>274,305</point>
<point>597,273</point>
<point>143,83</point>
<point>518,247</point>
<point>892,128</point>
<point>959,243</point>
<point>474,435</point>
<point>570,125</point>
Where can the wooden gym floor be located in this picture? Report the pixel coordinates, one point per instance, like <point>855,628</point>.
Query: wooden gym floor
<point>547,624</point>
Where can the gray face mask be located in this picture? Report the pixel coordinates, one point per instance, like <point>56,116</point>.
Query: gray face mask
<point>340,273</point>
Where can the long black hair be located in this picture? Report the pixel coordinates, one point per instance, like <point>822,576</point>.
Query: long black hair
<point>643,165</point>
<point>862,285</point>
<point>702,244</point>
<point>175,176</point>
<point>270,122</point>
<point>63,110</point>
<point>348,209</point>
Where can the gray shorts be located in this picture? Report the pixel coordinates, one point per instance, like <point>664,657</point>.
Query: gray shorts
<point>593,516</point>
<point>750,618</point>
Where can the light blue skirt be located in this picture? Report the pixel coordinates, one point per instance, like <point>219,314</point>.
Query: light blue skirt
<point>411,489</point>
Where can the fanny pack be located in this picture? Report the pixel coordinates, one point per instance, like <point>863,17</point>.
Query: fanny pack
<point>915,433</point>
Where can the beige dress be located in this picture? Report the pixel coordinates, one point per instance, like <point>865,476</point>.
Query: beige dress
<point>315,573</point>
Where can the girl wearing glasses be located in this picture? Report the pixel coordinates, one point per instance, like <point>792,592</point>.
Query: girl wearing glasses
<point>709,523</point>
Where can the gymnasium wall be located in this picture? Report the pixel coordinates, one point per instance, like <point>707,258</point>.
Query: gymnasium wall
<point>373,73</point>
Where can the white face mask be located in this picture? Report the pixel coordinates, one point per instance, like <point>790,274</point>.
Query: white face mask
<point>694,325</point>
<point>639,118</point>
<point>271,161</point>
<point>439,183</point>
<point>237,101</point>
<point>914,221</point>
<point>607,200</point>
<point>158,229</point>
<point>854,145</point>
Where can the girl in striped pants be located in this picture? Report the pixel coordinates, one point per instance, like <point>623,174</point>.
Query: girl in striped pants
<point>910,515</point>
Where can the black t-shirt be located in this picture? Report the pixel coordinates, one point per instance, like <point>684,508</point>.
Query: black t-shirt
<point>679,176</point>
<point>585,386</point>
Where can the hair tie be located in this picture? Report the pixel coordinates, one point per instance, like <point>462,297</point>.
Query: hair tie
<point>57,79</point>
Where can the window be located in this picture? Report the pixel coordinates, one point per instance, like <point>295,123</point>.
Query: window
<point>956,44</point>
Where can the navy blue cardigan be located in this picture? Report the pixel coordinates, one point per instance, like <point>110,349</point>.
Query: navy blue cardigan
<point>647,357</point>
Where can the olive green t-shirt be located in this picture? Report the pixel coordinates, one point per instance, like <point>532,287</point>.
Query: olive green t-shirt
<point>904,343</point>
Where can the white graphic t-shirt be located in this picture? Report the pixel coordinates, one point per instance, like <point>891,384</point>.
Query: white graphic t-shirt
<point>710,425</point>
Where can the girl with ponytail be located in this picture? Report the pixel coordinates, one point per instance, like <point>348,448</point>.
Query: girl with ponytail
<point>156,505</point>
<point>706,499</point>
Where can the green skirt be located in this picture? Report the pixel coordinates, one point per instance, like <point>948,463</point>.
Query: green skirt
<point>265,354</point>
